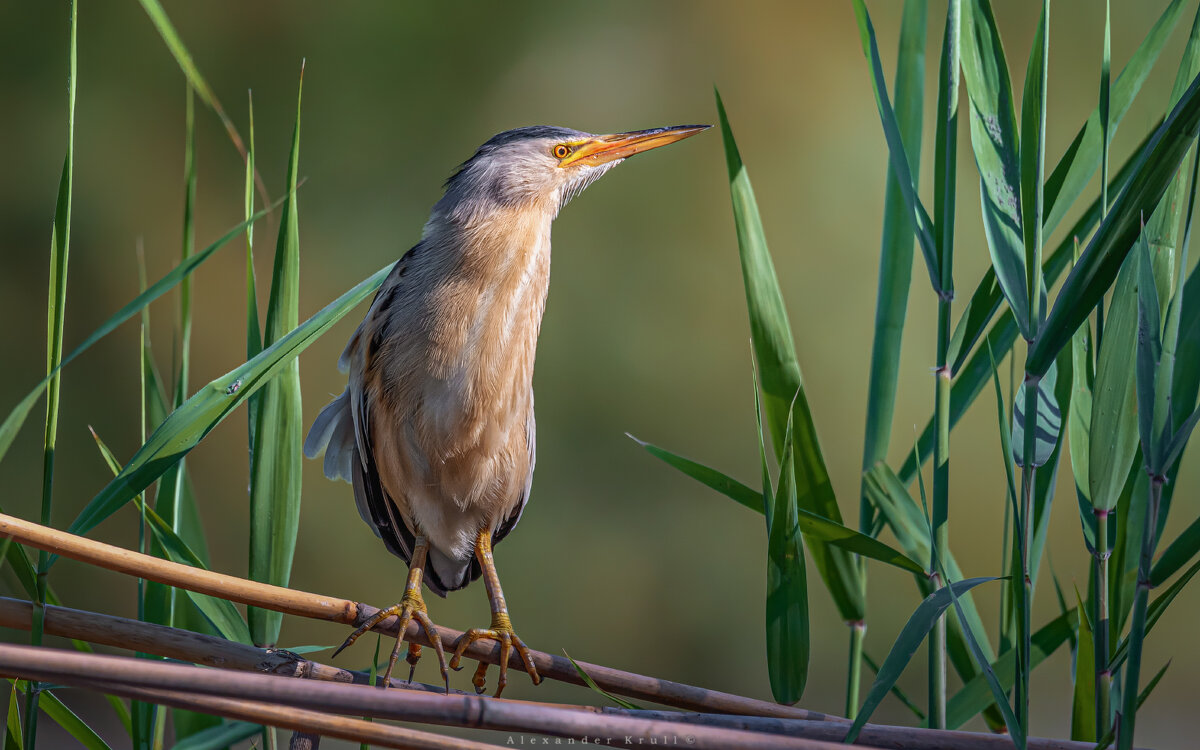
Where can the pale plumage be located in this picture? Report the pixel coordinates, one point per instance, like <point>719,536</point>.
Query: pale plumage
<point>436,427</point>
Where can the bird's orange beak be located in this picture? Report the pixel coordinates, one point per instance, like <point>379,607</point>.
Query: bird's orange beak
<point>605,148</point>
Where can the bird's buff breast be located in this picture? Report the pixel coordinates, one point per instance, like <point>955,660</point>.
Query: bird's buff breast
<point>458,388</point>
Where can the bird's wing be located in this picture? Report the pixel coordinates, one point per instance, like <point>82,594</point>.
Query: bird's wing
<point>368,489</point>
<point>514,517</point>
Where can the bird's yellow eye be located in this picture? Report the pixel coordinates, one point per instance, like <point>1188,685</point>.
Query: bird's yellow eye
<point>561,150</point>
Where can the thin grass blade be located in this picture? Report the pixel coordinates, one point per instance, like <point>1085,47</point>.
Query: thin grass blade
<point>783,394</point>
<point>896,251</point>
<point>1101,261</point>
<point>277,458</point>
<point>57,711</point>
<point>921,224</point>
<point>914,633</point>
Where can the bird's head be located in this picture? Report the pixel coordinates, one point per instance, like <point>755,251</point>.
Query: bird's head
<point>541,168</point>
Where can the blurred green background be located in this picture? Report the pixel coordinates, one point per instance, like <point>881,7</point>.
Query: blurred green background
<point>620,560</point>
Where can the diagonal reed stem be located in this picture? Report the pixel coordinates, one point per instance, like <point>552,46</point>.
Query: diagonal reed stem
<point>466,711</point>
<point>334,609</point>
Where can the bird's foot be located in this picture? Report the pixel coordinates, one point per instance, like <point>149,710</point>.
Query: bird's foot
<point>502,632</point>
<point>410,607</point>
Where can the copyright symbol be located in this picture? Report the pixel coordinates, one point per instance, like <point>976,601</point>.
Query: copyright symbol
<point>689,739</point>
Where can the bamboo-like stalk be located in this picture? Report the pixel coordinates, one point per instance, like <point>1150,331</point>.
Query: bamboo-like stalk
<point>70,668</point>
<point>122,674</point>
<point>1100,632</point>
<point>212,651</point>
<point>60,246</point>
<point>183,645</point>
<point>1137,627</point>
<point>1103,687</point>
<point>288,717</point>
<point>873,735</point>
<point>945,183</point>
<point>334,609</point>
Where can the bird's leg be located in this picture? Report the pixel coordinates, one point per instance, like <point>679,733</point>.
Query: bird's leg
<point>411,606</point>
<point>501,630</point>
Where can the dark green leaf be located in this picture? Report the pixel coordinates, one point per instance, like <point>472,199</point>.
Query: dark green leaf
<point>277,459</point>
<point>722,483</point>
<point>1048,421</point>
<point>997,154</point>
<point>783,394</point>
<point>896,251</point>
<point>914,633</point>
<point>1114,400</point>
<point>1100,263</point>
<point>787,590</point>
<point>975,695</point>
<point>918,216</point>
<point>219,737</point>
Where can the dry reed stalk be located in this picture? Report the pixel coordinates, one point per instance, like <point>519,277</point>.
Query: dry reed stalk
<point>872,735</point>
<point>212,651</point>
<point>290,601</point>
<point>287,717</point>
<point>471,712</point>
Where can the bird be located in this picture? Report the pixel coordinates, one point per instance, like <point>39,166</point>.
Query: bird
<point>435,430</point>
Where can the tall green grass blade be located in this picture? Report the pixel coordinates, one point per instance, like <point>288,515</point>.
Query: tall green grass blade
<point>787,626</point>
<point>1075,170</point>
<point>219,737</point>
<point>726,485</point>
<point>174,43</point>
<point>899,694</point>
<point>1177,554</point>
<point>1083,697</point>
<point>60,246</point>
<point>921,224</point>
<point>1079,423</point>
<point>1101,262</point>
<point>896,251</point>
<point>1163,226</point>
<point>1033,163</point>
<point>277,457</point>
<point>253,331</point>
<point>782,384</point>
<point>985,300</point>
<point>16,418</point>
<point>994,137</point>
<point>12,723</point>
<point>914,633</point>
<point>220,612</point>
<point>1104,110</point>
<point>812,525</point>
<point>1155,611</point>
<point>210,405</point>
<point>975,695</point>
<point>57,711</point>
<point>908,523</point>
<point>1114,404</point>
<point>1148,356</point>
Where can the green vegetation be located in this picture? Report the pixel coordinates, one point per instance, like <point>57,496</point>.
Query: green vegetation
<point>1110,364</point>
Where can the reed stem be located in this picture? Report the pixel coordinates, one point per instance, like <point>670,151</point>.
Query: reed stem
<point>1101,636</point>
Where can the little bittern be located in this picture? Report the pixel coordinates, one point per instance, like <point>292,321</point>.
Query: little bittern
<point>435,429</point>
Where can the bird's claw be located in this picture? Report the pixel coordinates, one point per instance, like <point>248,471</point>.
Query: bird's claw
<point>502,632</point>
<point>410,607</point>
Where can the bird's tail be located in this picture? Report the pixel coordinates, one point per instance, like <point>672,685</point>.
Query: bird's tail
<point>333,433</point>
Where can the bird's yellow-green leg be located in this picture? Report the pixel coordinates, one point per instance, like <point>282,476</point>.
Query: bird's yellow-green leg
<point>411,606</point>
<point>501,630</point>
